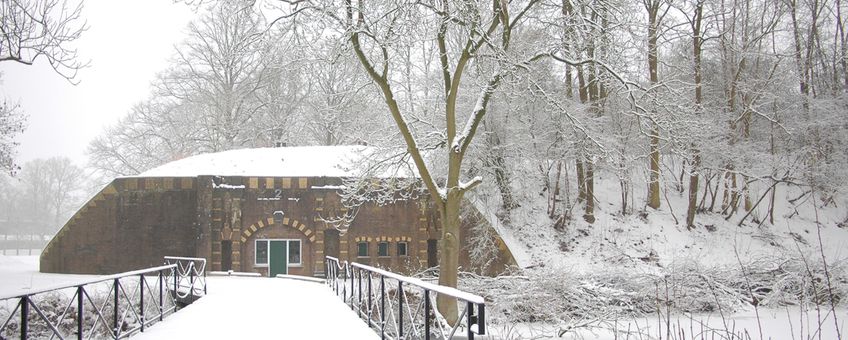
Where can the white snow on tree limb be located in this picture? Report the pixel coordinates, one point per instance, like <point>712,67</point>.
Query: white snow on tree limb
<point>470,184</point>
<point>477,114</point>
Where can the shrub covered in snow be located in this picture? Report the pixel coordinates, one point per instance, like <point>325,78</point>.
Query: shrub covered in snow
<point>561,296</point>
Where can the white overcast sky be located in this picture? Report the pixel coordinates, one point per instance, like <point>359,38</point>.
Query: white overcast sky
<point>127,43</point>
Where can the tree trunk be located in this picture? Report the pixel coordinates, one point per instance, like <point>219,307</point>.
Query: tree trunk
<point>714,194</point>
<point>624,195</point>
<point>653,6</point>
<point>581,181</point>
<point>552,204</point>
<point>693,193</point>
<point>696,157</point>
<point>654,170</point>
<point>495,160</point>
<point>843,47</point>
<point>449,254</point>
<point>589,214</point>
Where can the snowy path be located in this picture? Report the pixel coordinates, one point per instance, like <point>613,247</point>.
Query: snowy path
<point>263,308</point>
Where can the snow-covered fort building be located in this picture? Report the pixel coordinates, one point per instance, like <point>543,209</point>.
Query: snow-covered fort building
<point>268,210</point>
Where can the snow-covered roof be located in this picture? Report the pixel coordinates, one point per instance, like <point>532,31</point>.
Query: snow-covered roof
<point>301,161</point>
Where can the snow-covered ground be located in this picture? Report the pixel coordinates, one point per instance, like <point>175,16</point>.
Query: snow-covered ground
<point>622,253</point>
<point>263,308</point>
<point>660,237</point>
<point>19,274</point>
<point>776,324</point>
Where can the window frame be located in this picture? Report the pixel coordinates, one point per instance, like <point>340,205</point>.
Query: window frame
<point>359,247</point>
<point>267,241</point>
<point>256,252</point>
<point>383,243</point>
<point>405,249</point>
<point>299,252</point>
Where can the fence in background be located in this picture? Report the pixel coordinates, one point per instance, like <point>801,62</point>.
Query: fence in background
<point>115,306</point>
<point>23,244</point>
<point>400,307</point>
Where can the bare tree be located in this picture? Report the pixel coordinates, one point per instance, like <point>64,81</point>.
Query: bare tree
<point>11,123</point>
<point>226,88</point>
<point>34,29</point>
<point>657,10</point>
<point>217,72</point>
<point>47,192</point>
<point>466,35</point>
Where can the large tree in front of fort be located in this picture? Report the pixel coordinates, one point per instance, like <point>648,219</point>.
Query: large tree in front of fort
<point>436,65</point>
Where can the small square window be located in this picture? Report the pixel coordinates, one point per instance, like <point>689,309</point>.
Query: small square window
<point>261,252</point>
<point>402,249</point>
<point>383,249</point>
<point>362,249</point>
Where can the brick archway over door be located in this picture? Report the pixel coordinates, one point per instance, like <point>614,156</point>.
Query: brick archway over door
<point>292,223</point>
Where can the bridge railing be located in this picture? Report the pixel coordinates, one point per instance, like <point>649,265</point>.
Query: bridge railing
<point>401,307</point>
<point>191,277</point>
<point>114,306</point>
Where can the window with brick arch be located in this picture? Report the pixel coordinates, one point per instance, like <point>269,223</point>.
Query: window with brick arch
<point>383,249</point>
<point>402,249</point>
<point>362,249</point>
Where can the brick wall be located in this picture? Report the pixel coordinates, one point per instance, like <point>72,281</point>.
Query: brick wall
<point>133,222</point>
<point>130,224</point>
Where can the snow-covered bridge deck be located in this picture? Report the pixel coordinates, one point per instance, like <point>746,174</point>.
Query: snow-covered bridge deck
<point>263,308</point>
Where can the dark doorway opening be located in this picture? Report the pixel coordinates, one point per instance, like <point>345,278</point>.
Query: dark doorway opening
<point>331,244</point>
<point>432,253</point>
<point>226,255</point>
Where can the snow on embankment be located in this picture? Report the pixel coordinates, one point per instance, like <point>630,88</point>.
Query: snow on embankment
<point>519,251</point>
<point>654,239</point>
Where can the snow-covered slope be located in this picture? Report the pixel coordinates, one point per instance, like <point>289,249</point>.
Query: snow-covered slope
<point>646,238</point>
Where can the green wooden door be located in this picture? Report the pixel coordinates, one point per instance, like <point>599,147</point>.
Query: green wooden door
<point>279,258</point>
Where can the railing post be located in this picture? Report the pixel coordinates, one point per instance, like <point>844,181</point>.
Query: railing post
<point>481,319</point>
<point>141,297</point>
<point>426,314</point>
<point>174,272</point>
<point>204,280</point>
<point>471,320</point>
<point>161,296</point>
<point>344,286</point>
<point>24,313</point>
<point>359,288</point>
<point>191,282</point>
<point>351,276</point>
<point>80,314</point>
<point>382,307</point>
<point>400,309</point>
<point>117,285</point>
<point>370,304</point>
<point>335,278</point>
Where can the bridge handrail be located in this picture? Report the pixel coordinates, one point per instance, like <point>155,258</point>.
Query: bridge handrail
<point>450,291</point>
<point>185,258</point>
<point>135,300</point>
<point>192,273</point>
<point>346,279</point>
